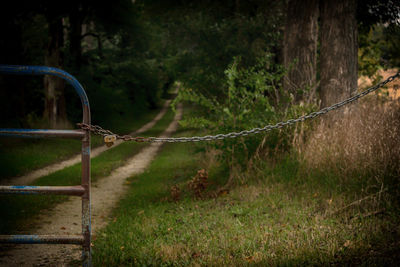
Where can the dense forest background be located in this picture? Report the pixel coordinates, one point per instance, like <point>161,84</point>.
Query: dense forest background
<point>128,53</point>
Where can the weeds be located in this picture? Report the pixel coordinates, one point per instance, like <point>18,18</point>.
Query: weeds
<point>283,216</point>
<point>331,202</point>
<point>363,145</point>
<point>199,183</point>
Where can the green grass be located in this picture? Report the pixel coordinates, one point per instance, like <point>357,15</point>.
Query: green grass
<point>16,210</point>
<point>20,156</point>
<point>282,218</point>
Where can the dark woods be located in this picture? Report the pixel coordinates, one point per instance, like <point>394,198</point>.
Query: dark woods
<point>102,44</point>
<point>128,53</point>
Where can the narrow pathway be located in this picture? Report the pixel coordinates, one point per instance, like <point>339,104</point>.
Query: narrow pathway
<point>65,218</point>
<point>32,176</point>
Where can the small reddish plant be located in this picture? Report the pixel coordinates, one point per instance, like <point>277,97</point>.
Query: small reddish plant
<point>199,183</point>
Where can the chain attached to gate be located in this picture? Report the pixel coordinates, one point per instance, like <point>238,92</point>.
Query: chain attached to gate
<point>110,137</point>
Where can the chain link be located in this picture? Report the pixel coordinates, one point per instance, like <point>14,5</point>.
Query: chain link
<point>100,131</point>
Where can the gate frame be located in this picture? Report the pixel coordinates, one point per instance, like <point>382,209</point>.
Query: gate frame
<point>82,190</point>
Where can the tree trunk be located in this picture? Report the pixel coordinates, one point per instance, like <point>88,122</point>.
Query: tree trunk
<point>75,39</point>
<point>339,49</point>
<point>76,21</point>
<point>300,47</point>
<point>54,110</point>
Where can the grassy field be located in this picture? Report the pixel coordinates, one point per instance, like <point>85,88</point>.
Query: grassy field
<point>285,216</point>
<point>19,156</point>
<point>16,210</point>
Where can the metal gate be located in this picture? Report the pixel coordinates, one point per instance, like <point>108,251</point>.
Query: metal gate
<point>82,190</point>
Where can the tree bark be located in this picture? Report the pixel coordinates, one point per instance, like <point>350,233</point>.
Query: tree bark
<point>77,14</point>
<point>75,37</point>
<point>339,47</point>
<point>300,47</point>
<point>55,110</point>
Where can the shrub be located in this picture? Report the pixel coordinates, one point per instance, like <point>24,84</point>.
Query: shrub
<point>254,98</point>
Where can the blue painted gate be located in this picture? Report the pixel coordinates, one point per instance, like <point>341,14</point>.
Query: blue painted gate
<point>82,190</point>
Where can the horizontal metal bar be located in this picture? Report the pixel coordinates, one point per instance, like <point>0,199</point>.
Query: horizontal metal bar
<point>76,190</point>
<point>29,133</point>
<point>41,239</point>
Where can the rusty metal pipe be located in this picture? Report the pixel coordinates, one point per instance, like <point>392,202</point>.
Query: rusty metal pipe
<point>86,198</point>
<point>41,239</point>
<point>43,190</point>
<point>43,133</point>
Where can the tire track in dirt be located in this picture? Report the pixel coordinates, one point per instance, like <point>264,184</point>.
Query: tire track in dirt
<point>32,176</point>
<point>65,218</point>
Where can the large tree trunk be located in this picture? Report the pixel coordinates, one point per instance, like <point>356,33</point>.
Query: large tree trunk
<point>75,37</point>
<point>77,14</point>
<point>339,48</point>
<point>54,110</point>
<point>300,47</point>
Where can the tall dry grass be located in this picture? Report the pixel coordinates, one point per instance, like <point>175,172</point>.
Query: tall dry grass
<point>362,140</point>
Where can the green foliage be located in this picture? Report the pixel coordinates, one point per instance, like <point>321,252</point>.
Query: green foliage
<point>119,70</point>
<point>369,53</point>
<point>391,49</point>
<point>132,87</point>
<point>379,48</point>
<point>200,38</point>
<point>254,98</point>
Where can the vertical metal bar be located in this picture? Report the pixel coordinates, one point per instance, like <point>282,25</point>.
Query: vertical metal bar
<point>86,212</point>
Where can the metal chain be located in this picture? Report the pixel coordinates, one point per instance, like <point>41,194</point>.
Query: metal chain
<point>106,133</point>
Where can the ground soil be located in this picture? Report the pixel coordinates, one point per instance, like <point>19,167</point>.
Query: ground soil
<point>65,218</point>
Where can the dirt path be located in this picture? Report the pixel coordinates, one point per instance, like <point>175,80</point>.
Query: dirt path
<point>32,176</point>
<point>65,218</point>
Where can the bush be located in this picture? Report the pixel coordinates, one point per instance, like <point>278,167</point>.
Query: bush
<point>254,98</point>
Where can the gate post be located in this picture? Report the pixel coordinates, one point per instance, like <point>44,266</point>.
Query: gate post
<point>86,209</point>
